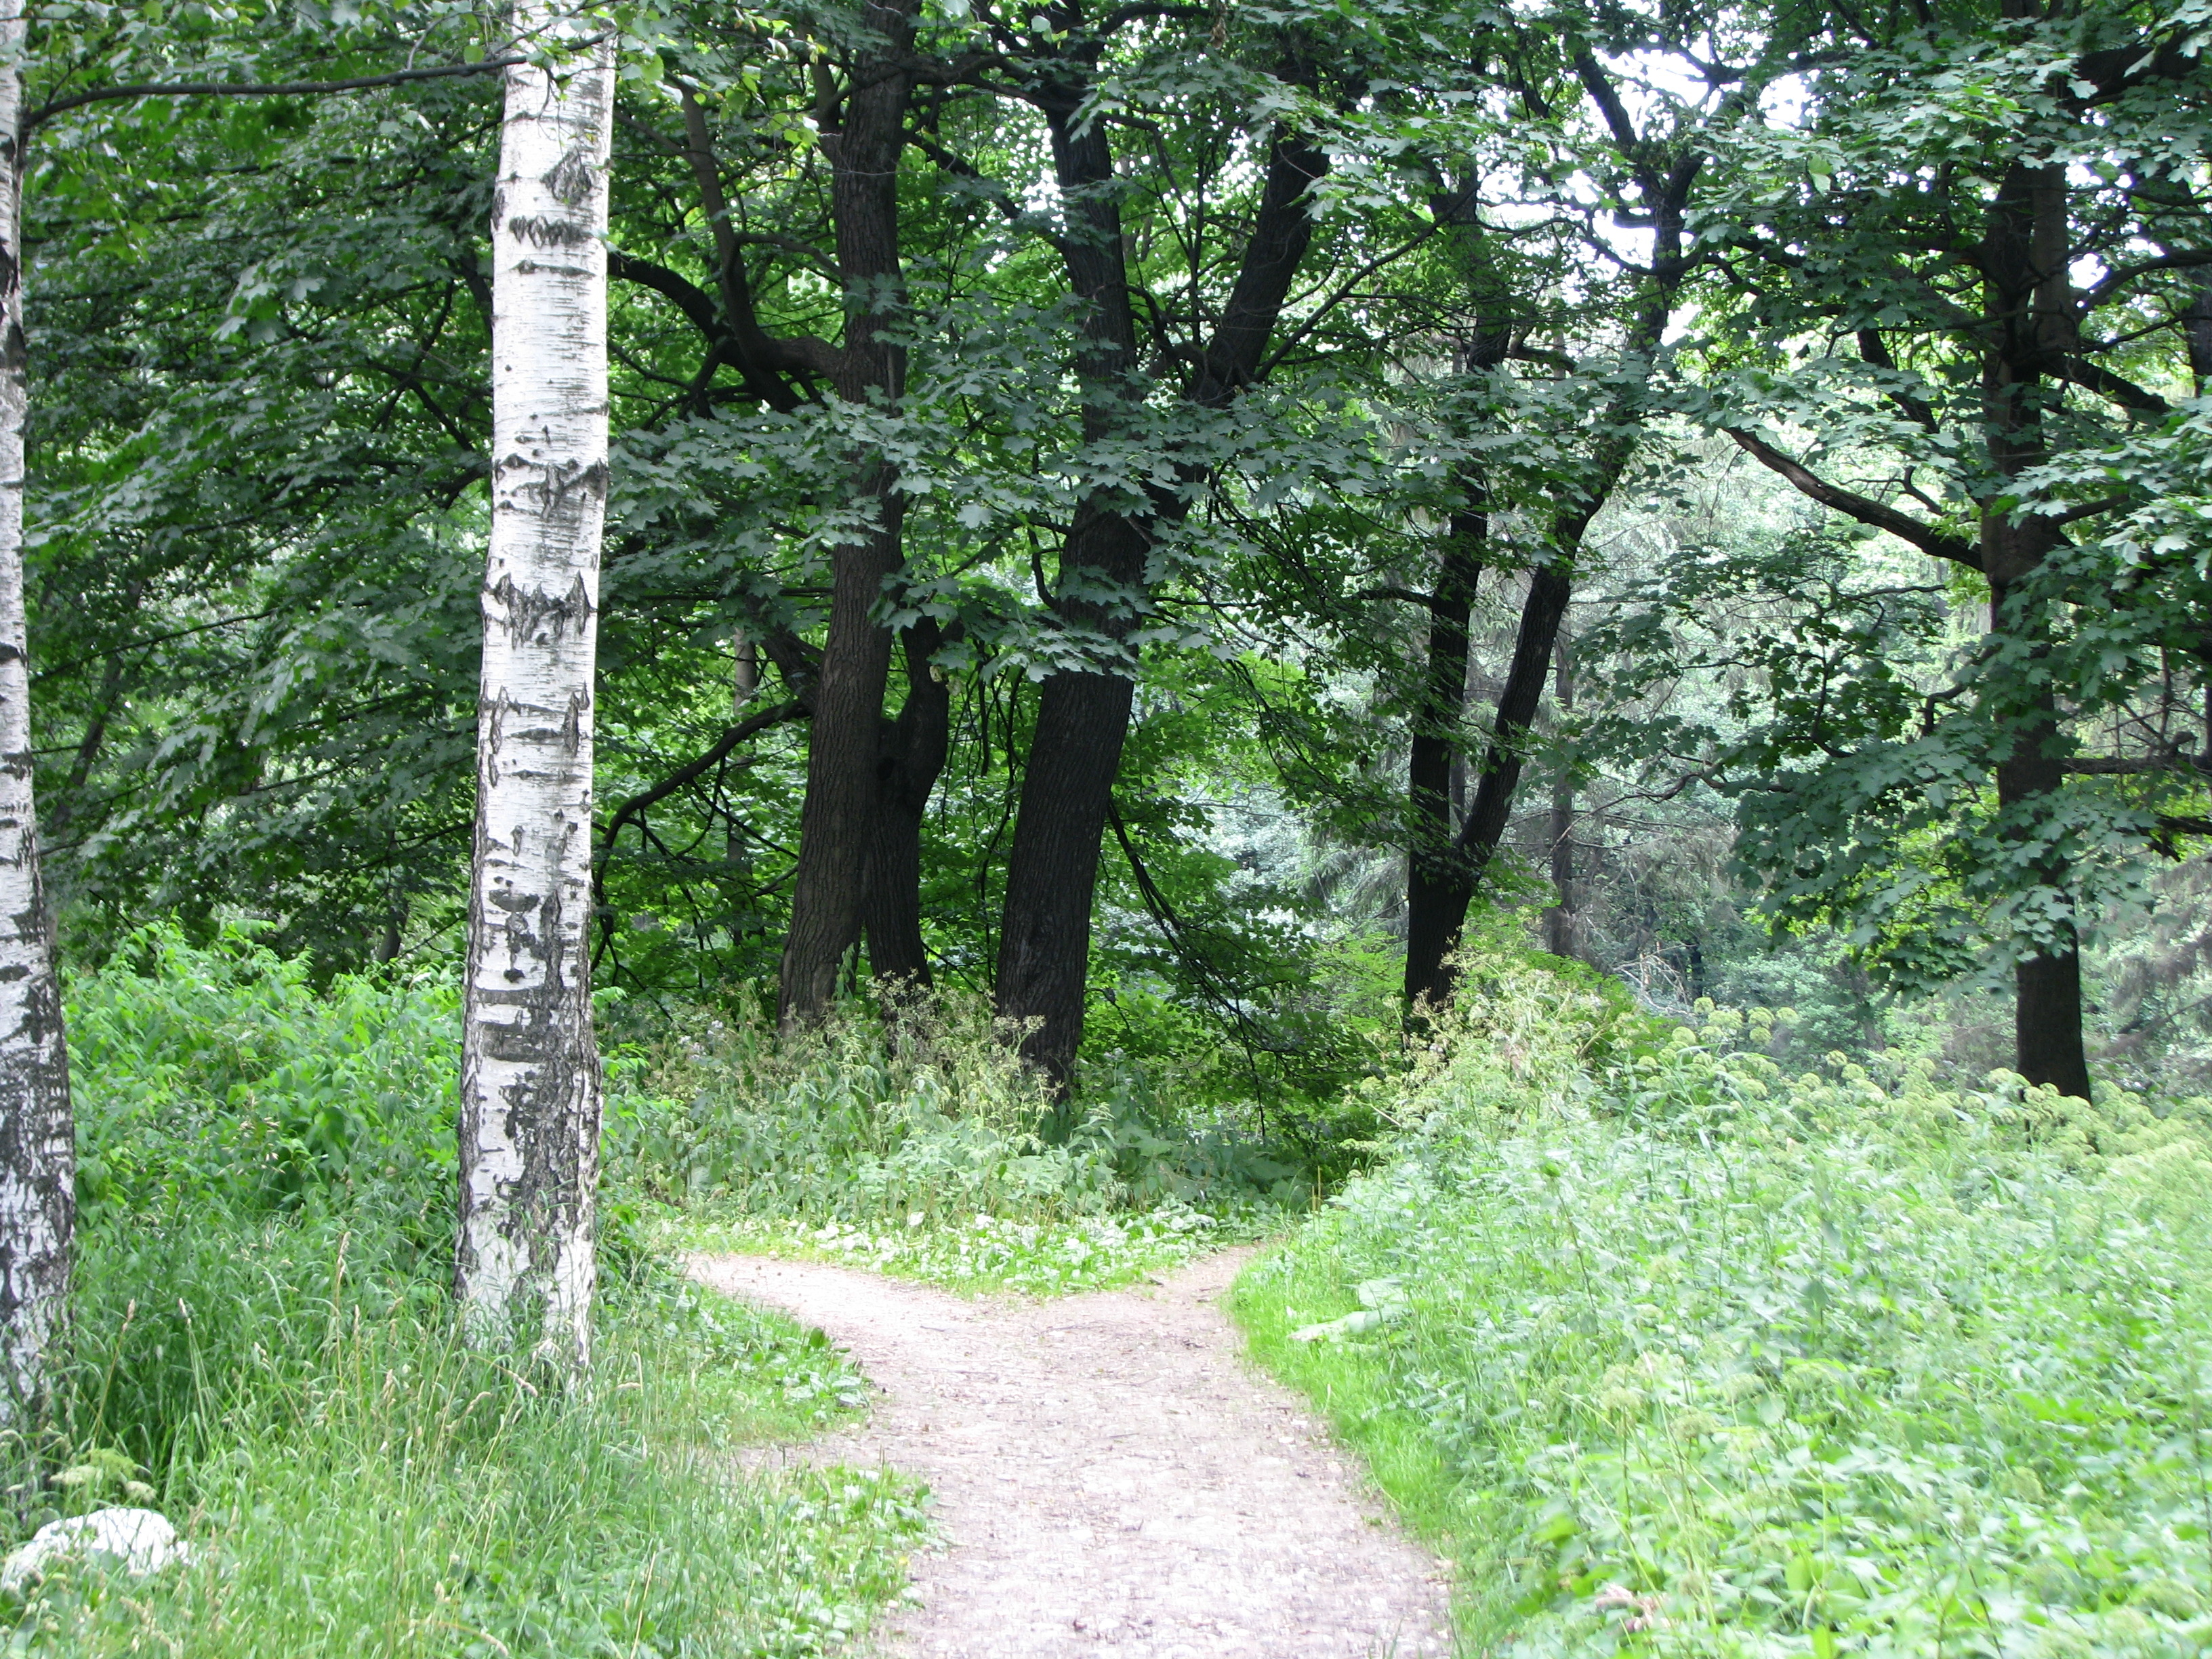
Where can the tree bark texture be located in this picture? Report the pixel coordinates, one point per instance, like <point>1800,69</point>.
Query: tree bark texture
<point>1437,885</point>
<point>38,1182</point>
<point>1432,867</point>
<point>836,825</point>
<point>1082,718</point>
<point>909,761</point>
<point>524,1271</point>
<point>1550,588</point>
<point>2033,319</point>
<point>1562,920</point>
<point>1044,947</point>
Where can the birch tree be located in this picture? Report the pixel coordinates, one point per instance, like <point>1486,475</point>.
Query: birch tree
<point>530,1077</point>
<point>37,1150</point>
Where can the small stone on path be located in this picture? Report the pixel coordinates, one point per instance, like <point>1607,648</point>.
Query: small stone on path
<point>1113,1478</point>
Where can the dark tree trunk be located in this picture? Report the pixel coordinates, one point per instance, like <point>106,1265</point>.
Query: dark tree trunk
<point>1433,877</point>
<point>2197,323</point>
<point>836,825</point>
<point>1477,843</point>
<point>386,948</point>
<point>1052,871</point>
<point>2024,255</point>
<point>1083,718</point>
<point>1549,592</point>
<point>2047,986</point>
<point>2047,1023</point>
<point>1563,920</point>
<point>1436,882</point>
<point>1045,949</point>
<point>911,758</point>
<point>1551,584</point>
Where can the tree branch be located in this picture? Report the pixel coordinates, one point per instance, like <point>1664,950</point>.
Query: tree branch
<point>1403,595</point>
<point>2169,827</point>
<point>2095,377</point>
<point>686,296</point>
<point>993,190</point>
<point>1281,232</point>
<point>45,112</point>
<point>2119,766</point>
<point>1874,350</point>
<point>750,727</point>
<point>1929,540</point>
<point>1599,85</point>
<point>2116,280</point>
<point>803,355</point>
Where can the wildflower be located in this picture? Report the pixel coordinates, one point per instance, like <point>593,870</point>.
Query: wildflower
<point>1642,1610</point>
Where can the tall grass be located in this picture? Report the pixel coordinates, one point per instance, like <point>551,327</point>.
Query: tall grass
<point>261,1349</point>
<point>1677,1353</point>
<point>927,1148</point>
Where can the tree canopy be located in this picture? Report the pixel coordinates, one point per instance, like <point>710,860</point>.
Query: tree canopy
<point>1137,476</point>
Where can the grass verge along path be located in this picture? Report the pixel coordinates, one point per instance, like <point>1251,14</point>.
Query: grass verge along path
<point>1110,1476</point>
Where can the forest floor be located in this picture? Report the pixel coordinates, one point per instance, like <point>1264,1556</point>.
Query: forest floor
<point>1112,1478</point>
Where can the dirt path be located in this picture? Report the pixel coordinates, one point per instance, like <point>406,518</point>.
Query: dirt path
<point>1113,1479</point>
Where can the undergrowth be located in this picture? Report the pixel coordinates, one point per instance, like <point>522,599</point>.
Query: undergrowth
<point>924,1148</point>
<point>991,1253</point>
<point>1674,1352</point>
<point>262,1350</point>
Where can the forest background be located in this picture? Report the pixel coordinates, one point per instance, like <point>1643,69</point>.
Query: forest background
<point>1143,521</point>
<point>1447,325</point>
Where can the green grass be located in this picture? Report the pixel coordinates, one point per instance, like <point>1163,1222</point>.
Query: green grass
<point>1043,1257</point>
<point>263,1346</point>
<point>1673,1353</point>
<point>406,1497</point>
<point>926,1156</point>
<point>263,1352</point>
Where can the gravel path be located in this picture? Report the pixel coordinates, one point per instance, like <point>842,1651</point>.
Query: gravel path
<point>1112,1478</point>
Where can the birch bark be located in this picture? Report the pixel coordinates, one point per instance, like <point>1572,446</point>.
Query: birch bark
<point>37,1150</point>
<point>530,1075</point>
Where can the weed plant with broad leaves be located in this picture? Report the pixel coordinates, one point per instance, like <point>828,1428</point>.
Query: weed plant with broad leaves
<point>1681,1353</point>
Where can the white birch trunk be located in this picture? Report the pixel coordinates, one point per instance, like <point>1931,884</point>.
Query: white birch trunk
<point>38,1153</point>
<point>530,1074</point>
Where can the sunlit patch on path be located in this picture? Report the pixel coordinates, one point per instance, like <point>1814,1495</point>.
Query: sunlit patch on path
<point>1112,1478</point>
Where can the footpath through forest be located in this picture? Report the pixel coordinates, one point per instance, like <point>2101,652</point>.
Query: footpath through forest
<point>1112,1478</point>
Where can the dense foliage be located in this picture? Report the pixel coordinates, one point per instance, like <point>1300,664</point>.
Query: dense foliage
<point>1149,549</point>
<point>256,500</point>
<point>1675,1349</point>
